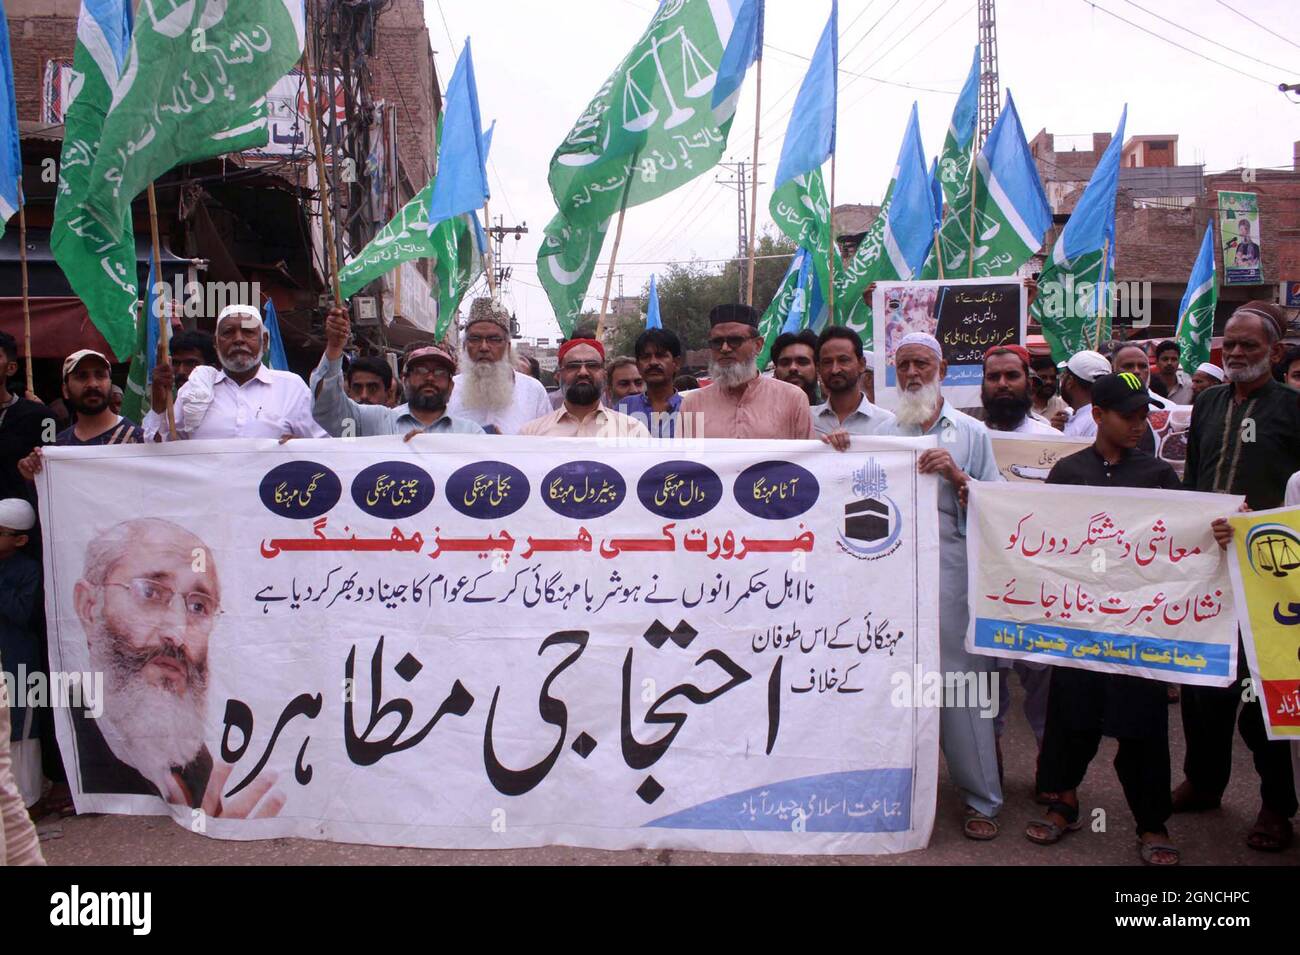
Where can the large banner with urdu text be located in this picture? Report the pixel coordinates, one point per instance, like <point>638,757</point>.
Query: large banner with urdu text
<point>474,642</point>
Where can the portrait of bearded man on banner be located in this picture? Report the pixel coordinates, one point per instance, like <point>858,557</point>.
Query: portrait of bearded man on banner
<point>149,600</point>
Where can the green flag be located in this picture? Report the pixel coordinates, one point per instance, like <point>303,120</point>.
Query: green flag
<point>802,210</point>
<point>1072,306</point>
<point>192,74</point>
<point>1196,310</point>
<point>869,264</point>
<point>459,264</point>
<point>651,127</point>
<point>405,237</point>
<point>99,262</point>
<point>565,263</point>
<point>135,397</point>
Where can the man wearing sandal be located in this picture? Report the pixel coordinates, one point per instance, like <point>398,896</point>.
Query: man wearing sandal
<point>1084,705</point>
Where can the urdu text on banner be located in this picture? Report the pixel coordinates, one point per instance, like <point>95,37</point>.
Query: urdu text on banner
<point>488,643</point>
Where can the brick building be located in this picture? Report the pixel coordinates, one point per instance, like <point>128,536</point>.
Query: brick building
<point>240,218</point>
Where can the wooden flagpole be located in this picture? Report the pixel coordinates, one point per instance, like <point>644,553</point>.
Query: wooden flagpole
<point>1101,290</point>
<point>322,183</point>
<point>753,189</point>
<point>609,275</point>
<point>22,261</point>
<point>164,326</point>
<point>974,184</point>
<point>938,252</point>
<point>830,292</point>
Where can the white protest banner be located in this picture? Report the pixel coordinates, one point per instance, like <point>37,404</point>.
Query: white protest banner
<point>967,316</point>
<point>474,642</point>
<point>1125,580</point>
<point>1030,457</point>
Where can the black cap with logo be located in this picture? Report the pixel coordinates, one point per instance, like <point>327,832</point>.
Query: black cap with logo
<point>1123,393</point>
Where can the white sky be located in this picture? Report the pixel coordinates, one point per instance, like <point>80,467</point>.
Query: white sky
<point>1070,67</point>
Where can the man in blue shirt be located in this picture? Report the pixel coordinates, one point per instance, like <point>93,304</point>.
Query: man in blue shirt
<point>427,377</point>
<point>658,355</point>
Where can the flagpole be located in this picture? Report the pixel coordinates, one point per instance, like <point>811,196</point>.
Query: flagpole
<point>1101,289</point>
<point>974,184</point>
<point>938,253</point>
<point>753,188</point>
<point>830,292</point>
<point>163,325</point>
<point>609,275</point>
<point>27,305</point>
<point>322,184</point>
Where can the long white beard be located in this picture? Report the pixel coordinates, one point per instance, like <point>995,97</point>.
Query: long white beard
<point>147,727</point>
<point>917,407</point>
<point>1250,372</point>
<point>733,375</point>
<point>487,385</point>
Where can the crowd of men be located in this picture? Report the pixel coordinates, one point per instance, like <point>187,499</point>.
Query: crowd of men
<point>822,386</point>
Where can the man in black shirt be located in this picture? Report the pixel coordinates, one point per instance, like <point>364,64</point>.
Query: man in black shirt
<point>1244,439</point>
<point>1084,705</point>
<point>22,425</point>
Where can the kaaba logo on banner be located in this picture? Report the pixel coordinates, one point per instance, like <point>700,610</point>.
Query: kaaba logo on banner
<point>872,521</point>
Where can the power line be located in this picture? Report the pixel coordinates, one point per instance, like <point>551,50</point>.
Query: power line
<point>1223,46</point>
<point>1260,25</point>
<point>1188,49</point>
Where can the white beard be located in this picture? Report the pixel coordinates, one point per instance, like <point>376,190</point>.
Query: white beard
<point>734,375</point>
<point>241,365</point>
<point>147,727</point>
<point>917,407</point>
<point>1250,372</point>
<point>487,385</point>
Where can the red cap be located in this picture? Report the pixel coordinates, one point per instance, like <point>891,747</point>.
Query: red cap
<point>1020,351</point>
<point>574,342</point>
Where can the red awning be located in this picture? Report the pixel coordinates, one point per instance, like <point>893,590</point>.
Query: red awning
<point>59,326</point>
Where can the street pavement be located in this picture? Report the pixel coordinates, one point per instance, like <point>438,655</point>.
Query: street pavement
<point>1210,838</point>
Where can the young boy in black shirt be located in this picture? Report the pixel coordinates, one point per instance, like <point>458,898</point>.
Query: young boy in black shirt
<point>1084,705</point>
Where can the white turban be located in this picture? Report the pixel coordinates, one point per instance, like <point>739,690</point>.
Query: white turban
<point>245,312</point>
<point>16,514</point>
<point>920,338</point>
<point>1214,371</point>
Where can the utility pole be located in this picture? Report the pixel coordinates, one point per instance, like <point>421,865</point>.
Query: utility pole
<point>740,182</point>
<point>498,233</point>
<point>990,98</point>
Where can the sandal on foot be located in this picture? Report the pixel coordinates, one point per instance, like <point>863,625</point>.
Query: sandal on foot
<point>1051,832</point>
<point>1148,850</point>
<point>1270,833</point>
<point>972,829</point>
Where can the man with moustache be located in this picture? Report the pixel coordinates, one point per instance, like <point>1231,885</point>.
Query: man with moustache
<point>1047,404</point>
<point>582,380</point>
<point>190,350</point>
<point>489,390</point>
<point>241,399</point>
<point>965,454</point>
<point>426,376</point>
<point>369,380</point>
<point>847,409</point>
<point>658,354</point>
<point>794,358</point>
<point>623,380</point>
<point>741,403</point>
<point>1205,377</point>
<point>148,616</point>
<point>1244,439</point>
<point>1004,393</point>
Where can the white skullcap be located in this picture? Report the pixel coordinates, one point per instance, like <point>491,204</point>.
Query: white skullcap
<point>16,514</point>
<point>248,311</point>
<point>1088,365</point>
<point>920,338</point>
<point>1214,371</point>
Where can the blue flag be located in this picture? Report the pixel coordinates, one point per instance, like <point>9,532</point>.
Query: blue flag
<point>275,356</point>
<point>810,137</point>
<point>808,305</point>
<point>743,49</point>
<point>11,159</point>
<point>962,125</point>
<point>652,319</point>
<point>909,222</point>
<point>1196,311</point>
<point>461,183</point>
<point>1093,218</point>
<point>151,309</point>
